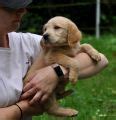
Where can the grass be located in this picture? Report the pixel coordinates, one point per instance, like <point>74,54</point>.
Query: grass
<point>94,98</point>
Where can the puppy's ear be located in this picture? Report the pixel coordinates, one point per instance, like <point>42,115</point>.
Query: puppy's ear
<point>74,35</point>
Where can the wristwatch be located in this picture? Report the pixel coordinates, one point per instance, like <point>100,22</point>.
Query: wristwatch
<point>58,70</point>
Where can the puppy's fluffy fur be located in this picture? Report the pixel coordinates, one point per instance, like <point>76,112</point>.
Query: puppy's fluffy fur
<point>60,42</point>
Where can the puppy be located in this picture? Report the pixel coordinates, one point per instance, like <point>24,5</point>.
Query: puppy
<point>61,42</point>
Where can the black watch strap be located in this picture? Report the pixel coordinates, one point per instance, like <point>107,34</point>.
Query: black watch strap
<point>58,70</point>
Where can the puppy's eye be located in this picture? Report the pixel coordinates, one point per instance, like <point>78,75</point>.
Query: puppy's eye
<point>56,27</point>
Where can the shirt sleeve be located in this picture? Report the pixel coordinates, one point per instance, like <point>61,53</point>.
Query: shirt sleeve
<point>32,43</point>
<point>35,40</point>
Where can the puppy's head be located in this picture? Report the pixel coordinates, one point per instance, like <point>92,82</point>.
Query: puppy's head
<point>60,31</point>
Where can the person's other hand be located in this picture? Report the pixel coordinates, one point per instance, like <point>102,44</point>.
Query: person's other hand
<point>30,110</point>
<point>40,87</point>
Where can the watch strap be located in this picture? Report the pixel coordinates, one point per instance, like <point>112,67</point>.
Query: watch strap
<point>58,70</point>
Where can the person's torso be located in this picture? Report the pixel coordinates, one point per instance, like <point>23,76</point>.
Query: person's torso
<point>14,63</point>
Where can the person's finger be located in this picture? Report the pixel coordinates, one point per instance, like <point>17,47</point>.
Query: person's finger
<point>29,93</point>
<point>44,98</point>
<point>36,98</point>
<point>27,86</point>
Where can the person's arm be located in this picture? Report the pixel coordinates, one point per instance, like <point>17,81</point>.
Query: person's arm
<point>10,113</point>
<point>13,112</point>
<point>88,67</point>
<point>41,85</point>
<point>45,81</point>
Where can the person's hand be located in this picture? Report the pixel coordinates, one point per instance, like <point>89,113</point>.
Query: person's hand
<point>40,87</point>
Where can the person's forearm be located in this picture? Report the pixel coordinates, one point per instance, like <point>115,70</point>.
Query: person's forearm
<point>10,113</point>
<point>13,112</point>
<point>87,66</point>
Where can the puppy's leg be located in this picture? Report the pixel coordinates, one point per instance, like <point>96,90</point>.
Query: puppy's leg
<point>91,51</point>
<point>60,91</point>
<point>67,62</point>
<point>34,67</point>
<point>53,108</point>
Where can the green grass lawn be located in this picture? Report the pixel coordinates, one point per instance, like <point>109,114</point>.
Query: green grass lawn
<point>94,98</point>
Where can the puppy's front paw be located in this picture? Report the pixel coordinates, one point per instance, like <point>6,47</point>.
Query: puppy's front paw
<point>73,76</point>
<point>96,56</point>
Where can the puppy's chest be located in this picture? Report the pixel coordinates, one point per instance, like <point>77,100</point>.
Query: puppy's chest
<point>52,54</point>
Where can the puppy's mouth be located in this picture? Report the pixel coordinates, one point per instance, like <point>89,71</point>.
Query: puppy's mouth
<point>48,42</point>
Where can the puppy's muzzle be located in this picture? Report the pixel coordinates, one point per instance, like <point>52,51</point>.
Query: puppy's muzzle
<point>46,37</point>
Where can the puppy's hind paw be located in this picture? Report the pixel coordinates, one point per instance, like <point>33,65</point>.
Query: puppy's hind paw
<point>71,112</point>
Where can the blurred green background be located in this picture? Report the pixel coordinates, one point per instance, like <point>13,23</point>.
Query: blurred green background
<point>82,12</point>
<point>95,97</point>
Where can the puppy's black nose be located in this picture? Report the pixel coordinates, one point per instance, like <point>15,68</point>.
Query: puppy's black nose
<point>46,36</point>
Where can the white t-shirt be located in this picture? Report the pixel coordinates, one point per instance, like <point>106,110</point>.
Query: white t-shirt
<point>14,63</point>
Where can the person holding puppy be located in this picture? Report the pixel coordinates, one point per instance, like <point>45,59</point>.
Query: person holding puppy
<point>17,53</point>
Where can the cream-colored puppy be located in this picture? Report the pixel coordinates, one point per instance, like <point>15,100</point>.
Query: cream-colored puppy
<point>61,42</point>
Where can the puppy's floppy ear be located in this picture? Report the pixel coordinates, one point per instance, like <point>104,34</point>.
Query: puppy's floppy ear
<point>74,35</point>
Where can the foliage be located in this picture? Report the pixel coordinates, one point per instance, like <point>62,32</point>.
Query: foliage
<point>81,12</point>
<point>95,98</point>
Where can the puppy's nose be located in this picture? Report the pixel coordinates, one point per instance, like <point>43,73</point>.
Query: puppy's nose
<point>46,36</point>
